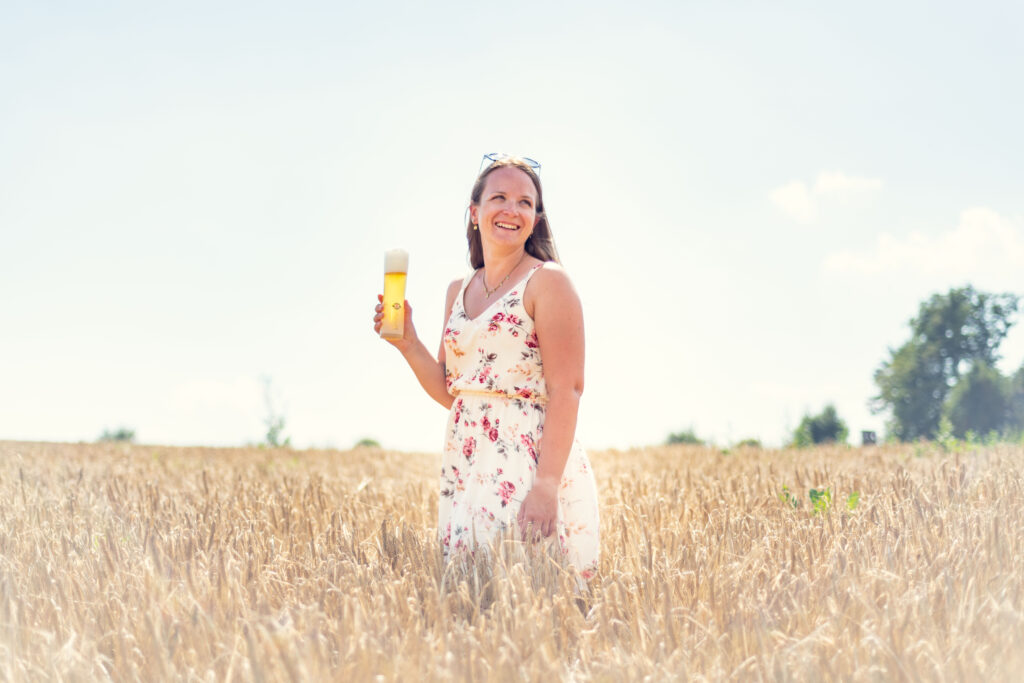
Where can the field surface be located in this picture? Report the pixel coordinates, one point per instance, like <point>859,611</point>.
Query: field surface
<point>143,563</point>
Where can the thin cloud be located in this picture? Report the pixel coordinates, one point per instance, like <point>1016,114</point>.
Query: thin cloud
<point>838,184</point>
<point>983,241</point>
<point>795,200</point>
<point>802,202</point>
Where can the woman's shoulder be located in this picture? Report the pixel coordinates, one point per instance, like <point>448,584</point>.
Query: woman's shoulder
<point>454,287</point>
<point>551,275</point>
<point>550,282</point>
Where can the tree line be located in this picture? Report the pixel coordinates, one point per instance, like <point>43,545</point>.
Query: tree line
<point>943,381</point>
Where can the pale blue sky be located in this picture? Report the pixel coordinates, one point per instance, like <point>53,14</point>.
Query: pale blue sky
<point>752,202</point>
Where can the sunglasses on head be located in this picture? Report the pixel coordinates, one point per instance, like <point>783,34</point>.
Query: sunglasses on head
<point>501,156</point>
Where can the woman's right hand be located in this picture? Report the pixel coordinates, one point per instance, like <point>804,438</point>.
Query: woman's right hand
<point>408,334</point>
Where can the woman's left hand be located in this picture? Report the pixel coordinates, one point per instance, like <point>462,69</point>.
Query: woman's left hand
<point>539,510</point>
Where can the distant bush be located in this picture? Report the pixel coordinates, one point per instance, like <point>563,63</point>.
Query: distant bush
<point>122,434</point>
<point>367,443</point>
<point>826,427</point>
<point>1016,401</point>
<point>749,443</point>
<point>979,403</point>
<point>686,437</point>
<point>275,420</point>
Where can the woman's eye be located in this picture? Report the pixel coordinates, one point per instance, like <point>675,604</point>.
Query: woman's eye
<point>526,202</point>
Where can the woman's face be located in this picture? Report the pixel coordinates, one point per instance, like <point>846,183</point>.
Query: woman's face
<point>507,212</point>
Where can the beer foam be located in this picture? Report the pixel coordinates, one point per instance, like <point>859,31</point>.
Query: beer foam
<point>396,261</point>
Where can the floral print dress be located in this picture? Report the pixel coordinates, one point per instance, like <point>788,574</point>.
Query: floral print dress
<point>493,369</point>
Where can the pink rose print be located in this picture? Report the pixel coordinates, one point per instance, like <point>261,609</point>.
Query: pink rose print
<point>493,325</point>
<point>468,446</point>
<point>505,490</point>
<point>493,434</point>
<point>528,442</point>
<point>531,340</point>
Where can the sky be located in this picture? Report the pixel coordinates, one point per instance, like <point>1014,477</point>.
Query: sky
<point>752,200</point>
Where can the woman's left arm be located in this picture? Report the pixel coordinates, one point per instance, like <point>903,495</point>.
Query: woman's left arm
<point>558,317</point>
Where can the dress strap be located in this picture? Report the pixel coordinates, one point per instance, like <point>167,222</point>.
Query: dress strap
<point>460,298</point>
<point>467,279</point>
<point>530,274</point>
<point>520,286</point>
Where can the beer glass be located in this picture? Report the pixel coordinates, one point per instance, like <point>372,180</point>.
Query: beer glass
<point>396,266</point>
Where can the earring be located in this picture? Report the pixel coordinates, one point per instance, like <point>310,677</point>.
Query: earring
<point>476,227</point>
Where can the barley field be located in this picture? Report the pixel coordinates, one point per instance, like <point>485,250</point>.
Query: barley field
<point>141,563</point>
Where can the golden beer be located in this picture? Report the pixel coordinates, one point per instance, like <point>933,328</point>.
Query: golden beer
<point>396,266</point>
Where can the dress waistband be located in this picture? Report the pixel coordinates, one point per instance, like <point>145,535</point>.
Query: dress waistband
<point>539,400</point>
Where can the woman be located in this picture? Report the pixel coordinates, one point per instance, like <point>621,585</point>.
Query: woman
<point>516,307</point>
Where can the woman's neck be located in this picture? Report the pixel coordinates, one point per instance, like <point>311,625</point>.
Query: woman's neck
<point>498,264</point>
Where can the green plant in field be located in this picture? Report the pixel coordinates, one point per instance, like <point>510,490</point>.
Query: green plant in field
<point>821,499</point>
<point>787,497</point>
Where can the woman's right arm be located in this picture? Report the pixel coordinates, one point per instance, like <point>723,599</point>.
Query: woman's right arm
<point>428,370</point>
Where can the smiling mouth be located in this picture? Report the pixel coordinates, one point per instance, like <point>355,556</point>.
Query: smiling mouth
<point>506,226</point>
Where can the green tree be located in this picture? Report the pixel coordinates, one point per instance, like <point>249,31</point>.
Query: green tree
<point>120,434</point>
<point>950,333</point>
<point>824,427</point>
<point>687,437</point>
<point>1015,401</point>
<point>979,402</point>
<point>912,387</point>
<point>275,420</point>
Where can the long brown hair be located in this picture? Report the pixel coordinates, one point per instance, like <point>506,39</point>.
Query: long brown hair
<point>541,243</point>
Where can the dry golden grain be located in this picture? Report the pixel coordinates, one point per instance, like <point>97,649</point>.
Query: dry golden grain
<point>138,563</point>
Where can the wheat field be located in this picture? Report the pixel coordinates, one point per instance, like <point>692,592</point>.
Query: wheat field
<point>141,563</point>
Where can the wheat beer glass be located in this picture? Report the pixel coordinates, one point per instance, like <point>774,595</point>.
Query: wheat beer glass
<point>396,265</point>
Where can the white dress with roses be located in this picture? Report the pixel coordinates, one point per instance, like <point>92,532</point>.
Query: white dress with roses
<point>493,369</point>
